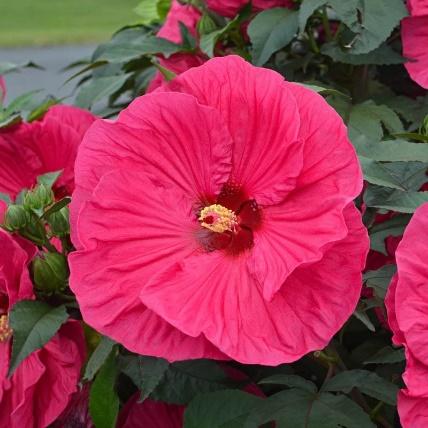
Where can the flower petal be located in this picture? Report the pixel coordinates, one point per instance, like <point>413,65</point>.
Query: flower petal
<point>216,295</point>
<point>262,118</point>
<point>413,410</point>
<point>127,237</point>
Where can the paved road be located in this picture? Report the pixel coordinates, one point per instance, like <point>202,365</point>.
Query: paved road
<point>53,59</point>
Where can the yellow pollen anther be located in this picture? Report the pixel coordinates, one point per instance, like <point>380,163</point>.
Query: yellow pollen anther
<point>218,219</point>
<point>5,330</point>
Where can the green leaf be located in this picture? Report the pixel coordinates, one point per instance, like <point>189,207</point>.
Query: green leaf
<point>380,279</point>
<point>56,207</point>
<point>189,379</point>
<point>98,358</point>
<point>323,91</point>
<point>296,408</point>
<point>5,197</point>
<point>270,31</point>
<point>219,409</point>
<point>8,67</point>
<point>383,55</point>
<point>376,173</point>
<point>387,355</point>
<point>40,110</point>
<point>307,8</point>
<point>361,315</point>
<point>391,150</point>
<point>148,11</point>
<point>392,227</point>
<point>367,382</point>
<point>394,200</point>
<point>34,323</point>
<point>292,381</point>
<point>98,88</point>
<point>103,400</point>
<point>366,119</point>
<point>49,178</point>
<point>379,18</point>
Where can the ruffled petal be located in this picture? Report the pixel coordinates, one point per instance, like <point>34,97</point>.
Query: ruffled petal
<point>413,410</point>
<point>230,8</point>
<point>262,117</point>
<point>216,295</point>
<point>414,33</point>
<point>129,231</point>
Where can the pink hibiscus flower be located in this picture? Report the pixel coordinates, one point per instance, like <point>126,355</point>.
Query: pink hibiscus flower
<point>214,218</point>
<point>170,30</point>
<point>407,306</point>
<point>230,8</point>
<point>414,33</point>
<point>32,149</point>
<point>40,388</point>
<point>2,90</point>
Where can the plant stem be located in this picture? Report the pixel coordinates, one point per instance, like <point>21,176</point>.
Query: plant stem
<point>326,24</point>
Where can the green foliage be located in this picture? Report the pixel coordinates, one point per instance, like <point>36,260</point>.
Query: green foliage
<point>34,323</point>
<point>98,358</point>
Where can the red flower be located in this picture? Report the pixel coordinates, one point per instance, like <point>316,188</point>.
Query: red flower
<point>40,388</point>
<point>32,149</point>
<point>170,30</point>
<point>217,218</point>
<point>407,306</point>
<point>230,8</point>
<point>414,33</point>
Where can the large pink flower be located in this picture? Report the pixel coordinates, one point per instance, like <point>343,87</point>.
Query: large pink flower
<point>31,149</point>
<point>217,218</point>
<point>407,305</point>
<point>414,33</point>
<point>230,8</point>
<point>40,388</point>
<point>178,63</point>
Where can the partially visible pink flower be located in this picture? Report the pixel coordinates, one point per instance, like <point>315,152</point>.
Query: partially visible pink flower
<point>170,30</point>
<point>407,306</point>
<point>2,90</point>
<point>414,34</point>
<point>40,388</point>
<point>47,145</point>
<point>230,8</point>
<point>218,219</point>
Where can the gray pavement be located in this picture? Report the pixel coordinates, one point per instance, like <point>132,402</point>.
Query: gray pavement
<point>53,59</point>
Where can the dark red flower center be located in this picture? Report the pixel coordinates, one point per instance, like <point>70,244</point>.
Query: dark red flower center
<point>228,224</point>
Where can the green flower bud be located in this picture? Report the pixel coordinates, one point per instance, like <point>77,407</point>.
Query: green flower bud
<point>59,222</point>
<point>34,230</point>
<point>39,198</point>
<point>16,217</point>
<point>50,272</point>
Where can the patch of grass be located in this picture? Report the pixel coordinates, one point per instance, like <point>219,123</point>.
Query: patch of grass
<point>48,22</point>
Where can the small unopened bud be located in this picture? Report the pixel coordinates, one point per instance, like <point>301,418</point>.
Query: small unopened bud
<point>39,198</point>
<point>59,222</point>
<point>50,272</point>
<point>16,217</point>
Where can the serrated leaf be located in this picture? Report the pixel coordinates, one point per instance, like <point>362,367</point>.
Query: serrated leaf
<point>103,400</point>
<point>292,381</point>
<point>219,409</point>
<point>367,382</point>
<point>376,173</point>
<point>296,408</point>
<point>383,55</point>
<point>189,379</point>
<point>34,323</point>
<point>391,150</point>
<point>387,355</point>
<point>270,31</point>
<point>98,358</point>
<point>379,18</point>
<point>394,200</point>
<point>98,88</point>
<point>380,279</point>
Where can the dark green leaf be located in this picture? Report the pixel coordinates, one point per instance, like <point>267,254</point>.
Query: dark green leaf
<point>219,409</point>
<point>380,279</point>
<point>413,136</point>
<point>376,173</point>
<point>33,323</point>
<point>98,88</point>
<point>392,227</point>
<point>98,358</point>
<point>57,206</point>
<point>103,400</point>
<point>292,381</point>
<point>324,91</point>
<point>367,382</point>
<point>8,67</point>
<point>394,200</point>
<point>387,355</point>
<point>361,315</point>
<point>307,8</point>
<point>270,31</point>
